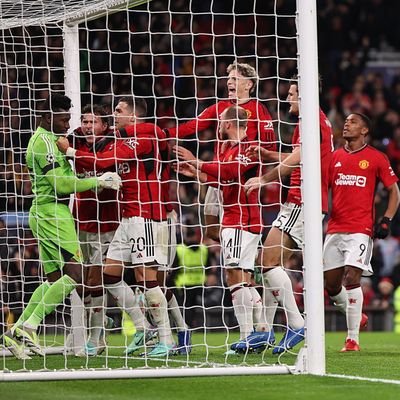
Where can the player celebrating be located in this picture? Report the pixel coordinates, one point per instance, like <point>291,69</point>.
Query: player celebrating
<point>141,239</point>
<point>242,224</point>
<point>353,175</point>
<point>98,216</point>
<point>183,332</point>
<point>241,83</point>
<point>287,233</point>
<point>52,223</point>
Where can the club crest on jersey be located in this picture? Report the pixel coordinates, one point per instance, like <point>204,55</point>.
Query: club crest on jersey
<point>131,143</point>
<point>363,164</point>
<point>243,159</point>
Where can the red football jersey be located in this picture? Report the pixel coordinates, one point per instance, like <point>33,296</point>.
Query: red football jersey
<point>260,129</point>
<point>132,130</point>
<point>139,166</point>
<point>326,150</point>
<point>229,175</point>
<point>95,212</point>
<point>353,177</point>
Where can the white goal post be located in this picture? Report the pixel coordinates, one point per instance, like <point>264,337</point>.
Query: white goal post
<point>66,15</point>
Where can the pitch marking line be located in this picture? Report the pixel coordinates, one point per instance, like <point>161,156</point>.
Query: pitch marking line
<point>361,378</point>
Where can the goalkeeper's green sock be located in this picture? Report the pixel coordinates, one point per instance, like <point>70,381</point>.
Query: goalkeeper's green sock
<point>36,297</point>
<point>57,292</point>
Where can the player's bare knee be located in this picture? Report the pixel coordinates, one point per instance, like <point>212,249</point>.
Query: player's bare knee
<point>352,279</point>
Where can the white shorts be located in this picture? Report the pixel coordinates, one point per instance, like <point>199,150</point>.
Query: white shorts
<point>341,249</point>
<point>290,221</point>
<point>239,248</point>
<point>94,246</point>
<point>213,203</point>
<point>139,241</point>
<point>172,221</point>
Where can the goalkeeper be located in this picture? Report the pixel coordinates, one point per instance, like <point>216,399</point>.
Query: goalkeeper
<point>52,223</point>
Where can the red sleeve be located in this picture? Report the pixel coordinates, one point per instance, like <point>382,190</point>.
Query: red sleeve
<point>207,118</point>
<point>266,128</point>
<point>225,171</point>
<point>125,150</point>
<point>385,172</point>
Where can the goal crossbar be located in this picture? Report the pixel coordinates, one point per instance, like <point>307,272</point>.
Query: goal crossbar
<point>22,13</point>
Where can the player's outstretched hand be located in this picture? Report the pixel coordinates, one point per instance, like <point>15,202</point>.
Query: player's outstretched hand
<point>382,229</point>
<point>183,154</point>
<point>253,184</point>
<point>110,180</point>
<point>62,144</point>
<point>185,169</point>
<point>258,153</point>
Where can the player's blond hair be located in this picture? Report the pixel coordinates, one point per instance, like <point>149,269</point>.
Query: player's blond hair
<point>238,114</point>
<point>246,70</point>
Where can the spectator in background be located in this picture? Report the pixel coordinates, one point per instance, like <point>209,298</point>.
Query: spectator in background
<point>189,274</point>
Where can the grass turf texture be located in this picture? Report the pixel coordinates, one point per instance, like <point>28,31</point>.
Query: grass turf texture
<point>379,358</point>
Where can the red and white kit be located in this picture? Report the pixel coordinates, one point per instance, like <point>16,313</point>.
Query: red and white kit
<point>241,222</point>
<point>353,177</point>
<point>260,131</point>
<point>97,214</point>
<point>290,218</point>
<point>142,236</point>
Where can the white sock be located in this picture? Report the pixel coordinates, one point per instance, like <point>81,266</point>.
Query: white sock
<point>280,283</point>
<point>270,305</point>
<point>340,300</point>
<point>125,298</point>
<point>96,321</point>
<point>354,310</point>
<point>243,308</point>
<point>260,323</point>
<point>173,308</point>
<point>158,308</point>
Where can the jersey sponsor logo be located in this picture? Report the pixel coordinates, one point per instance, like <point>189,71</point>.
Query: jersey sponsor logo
<point>131,143</point>
<point>363,164</point>
<point>243,159</point>
<point>338,164</point>
<point>50,158</point>
<point>351,180</point>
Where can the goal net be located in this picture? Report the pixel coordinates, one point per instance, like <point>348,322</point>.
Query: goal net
<point>176,56</point>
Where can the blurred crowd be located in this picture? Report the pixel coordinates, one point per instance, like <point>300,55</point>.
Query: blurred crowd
<point>177,60</point>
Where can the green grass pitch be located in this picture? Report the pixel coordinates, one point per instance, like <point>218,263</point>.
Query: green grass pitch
<point>379,359</point>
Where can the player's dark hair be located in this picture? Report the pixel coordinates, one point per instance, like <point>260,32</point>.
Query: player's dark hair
<point>56,102</point>
<point>138,105</point>
<point>365,120</point>
<point>294,80</point>
<point>98,110</point>
<point>238,114</point>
